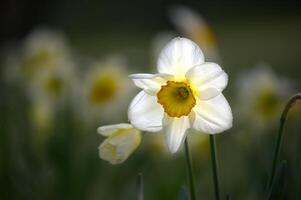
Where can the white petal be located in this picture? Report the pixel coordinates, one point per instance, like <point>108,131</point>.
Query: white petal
<point>110,129</point>
<point>150,83</point>
<point>145,113</point>
<point>212,116</point>
<point>118,147</point>
<point>208,93</point>
<point>175,130</point>
<point>178,56</point>
<point>208,78</point>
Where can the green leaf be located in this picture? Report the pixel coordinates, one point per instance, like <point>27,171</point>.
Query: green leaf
<point>277,188</point>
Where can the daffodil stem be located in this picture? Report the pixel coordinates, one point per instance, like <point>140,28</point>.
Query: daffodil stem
<point>139,186</point>
<point>299,179</point>
<point>283,117</point>
<point>190,171</point>
<point>214,166</point>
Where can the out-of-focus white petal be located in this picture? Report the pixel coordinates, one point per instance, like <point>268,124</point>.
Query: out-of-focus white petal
<point>213,116</point>
<point>208,79</point>
<point>150,83</point>
<point>145,113</point>
<point>108,130</point>
<point>120,145</point>
<point>178,56</point>
<point>175,130</point>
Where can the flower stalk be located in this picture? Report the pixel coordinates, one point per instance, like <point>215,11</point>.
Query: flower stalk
<point>278,145</point>
<point>190,171</point>
<point>214,166</point>
<point>139,185</point>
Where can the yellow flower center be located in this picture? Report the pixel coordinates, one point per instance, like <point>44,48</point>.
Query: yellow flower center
<point>176,98</point>
<point>103,90</point>
<point>267,103</point>
<point>54,86</point>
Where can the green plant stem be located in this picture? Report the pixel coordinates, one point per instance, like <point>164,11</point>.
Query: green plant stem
<point>190,171</point>
<point>279,140</point>
<point>298,196</point>
<point>214,166</point>
<point>276,188</point>
<point>139,186</point>
<point>228,197</point>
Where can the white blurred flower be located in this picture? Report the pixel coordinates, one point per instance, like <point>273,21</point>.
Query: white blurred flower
<point>53,85</point>
<point>43,66</point>
<point>185,94</point>
<point>106,90</point>
<point>47,72</point>
<point>193,26</point>
<point>43,48</point>
<point>122,140</point>
<point>261,94</point>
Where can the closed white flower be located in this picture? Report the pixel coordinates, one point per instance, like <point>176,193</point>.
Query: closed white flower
<point>185,94</point>
<point>122,140</point>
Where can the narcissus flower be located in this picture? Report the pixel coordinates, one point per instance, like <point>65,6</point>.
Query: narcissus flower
<point>43,49</point>
<point>265,94</point>
<point>105,91</point>
<point>122,140</point>
<point>185,94</point>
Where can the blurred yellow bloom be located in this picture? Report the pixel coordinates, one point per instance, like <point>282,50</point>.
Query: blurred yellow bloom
<point>47,72</point>
<point>53,85</point>
<point>106,90</point>
<point>261,95</point>
<point>193,26</point>
<point>43,48</point>
<point>122,140</point>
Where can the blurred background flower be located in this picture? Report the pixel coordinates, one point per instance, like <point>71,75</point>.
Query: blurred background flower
<point>42,49</point>
<point>192,25</point>
<point>105,91</point>
<point>261,95</point>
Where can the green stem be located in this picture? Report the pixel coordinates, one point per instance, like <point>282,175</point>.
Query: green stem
<point>140,187</point>
<point>298,196</point>
<point>276,188</point>
<point>283,117</point>
<point>190,171</point>
<point>214,166</point>
<point>228,197</point>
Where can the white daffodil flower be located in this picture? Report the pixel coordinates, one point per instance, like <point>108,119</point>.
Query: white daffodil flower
<point>185,94</point>
<point>122,140</point>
